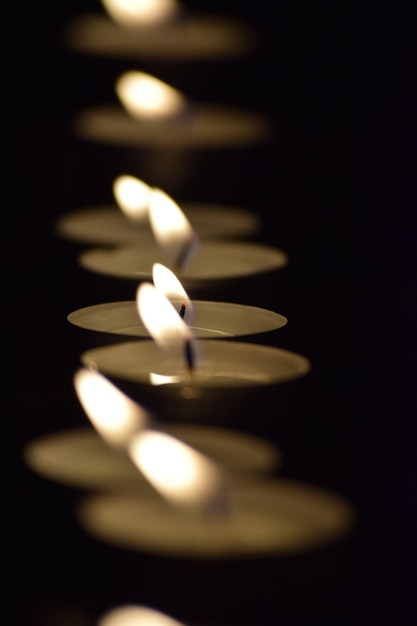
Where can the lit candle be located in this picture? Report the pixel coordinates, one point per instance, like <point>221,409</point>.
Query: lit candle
<point>153,114</point>
<point>159,29</point>
<point>127,221</point>
<point>82,458</point>
<point>133,615</point>
<point>278,517</point>
<point>206,319</point>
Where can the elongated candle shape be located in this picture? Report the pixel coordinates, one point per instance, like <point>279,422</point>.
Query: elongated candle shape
<point>169,284</point>
<point>132,197</point>
<point>146,97</point>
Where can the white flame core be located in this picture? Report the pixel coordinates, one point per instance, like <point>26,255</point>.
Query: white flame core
<point>115,416</point>
<point>171,228</point>
<point>147,97</point>
<point>178,472</point>
<point>132,196</point>
<point>169,284</point>
<point>136,13</point>
<point>136,616</point>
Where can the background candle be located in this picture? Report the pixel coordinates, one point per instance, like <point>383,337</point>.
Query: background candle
<point>230,379</point>
<point>188,36</point>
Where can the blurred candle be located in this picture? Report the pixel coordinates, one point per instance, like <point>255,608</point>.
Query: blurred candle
<point>160,29</point>
<point>153,114</point>
<point>133,615</point>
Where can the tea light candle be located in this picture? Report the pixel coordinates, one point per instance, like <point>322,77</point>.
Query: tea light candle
<point>270,518</point>
<point>163,30</point>
<point>153,114</point>
<point>227,384</point>
<point>81,458</point>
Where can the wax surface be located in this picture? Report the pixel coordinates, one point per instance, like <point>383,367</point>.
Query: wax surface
<point>277,517</point>
<point>207,126</point>
<point>198,37</point>
<point>108,224</point>
<point>209,319</point>
<point>79,457</point>
<point>214,261</point>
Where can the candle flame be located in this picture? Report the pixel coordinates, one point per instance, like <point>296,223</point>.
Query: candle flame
<point>147,97</point>
<point>165,325</point>
<point>172,229</point>
<point>182,475</point>
<point>132,196</point>
<point>132,615</point>
<point>169,284</point>
<point>136,13</point>
<point>115,416</point>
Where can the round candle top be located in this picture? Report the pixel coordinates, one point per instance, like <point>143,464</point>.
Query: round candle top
<point>215,260</point>
<point>222,364</point>
<point>275,517</point>
<point>81,458</point>
<point>205,126</point>
<point>192,37</point>
<point>210,319</point>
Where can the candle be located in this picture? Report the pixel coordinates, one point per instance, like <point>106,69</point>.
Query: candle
<point>232,379</point>
<point>162,30</point>
<point>81,458</point>
<point>128,220</point>
<point>133,615</point>
<point>278,517</point>
<point>153,114</point>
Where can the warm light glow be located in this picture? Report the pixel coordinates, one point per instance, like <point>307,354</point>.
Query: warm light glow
<point>115,416</point>
<point>132,196</point>
<point>162,379</point>
<point>164,324</point>
<point>147,97</point>
<point>172,229</point>
<point>136,13</point>
<point>177,471</point>
<point>169,284</point>
<point>136,616</point>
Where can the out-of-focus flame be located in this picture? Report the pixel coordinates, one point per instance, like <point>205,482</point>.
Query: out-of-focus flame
<point>147,97</point>
<point>172,230</point>
<point>165,325</point>
<point>137,13</point>
<point>132,197</point>
<point>169,284</point>
<point>132,615</point>
<point>182,475</point>
<point>115,416</point>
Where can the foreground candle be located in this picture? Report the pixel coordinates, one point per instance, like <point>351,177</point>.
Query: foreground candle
<point>81,458</point>
<point>277,517</point>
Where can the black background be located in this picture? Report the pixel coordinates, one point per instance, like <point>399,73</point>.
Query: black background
<point>337,190</point>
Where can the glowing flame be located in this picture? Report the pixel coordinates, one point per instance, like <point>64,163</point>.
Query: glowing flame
<point>165,325</point>
<point>136,13</point>
<point>115,416</point>
<point>171,229</point>
<point>167,282</point>
<point>147,97</point>
<point>179,473</point>
<point>132,196</point>
<point>132,615</point>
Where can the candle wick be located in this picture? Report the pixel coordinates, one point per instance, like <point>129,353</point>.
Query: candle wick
<point>182,310</point>
<point>189,355</point>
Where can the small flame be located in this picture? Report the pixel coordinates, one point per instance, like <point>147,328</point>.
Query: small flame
<point>179,473</point>
<point>171,229</point>
<point>132,197</point>
<point>167,282</point>
<point>136,13</point>
<point>165,325</point>
<point>132,615</point>
<point>115,416</point>
<point>147,97</point>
